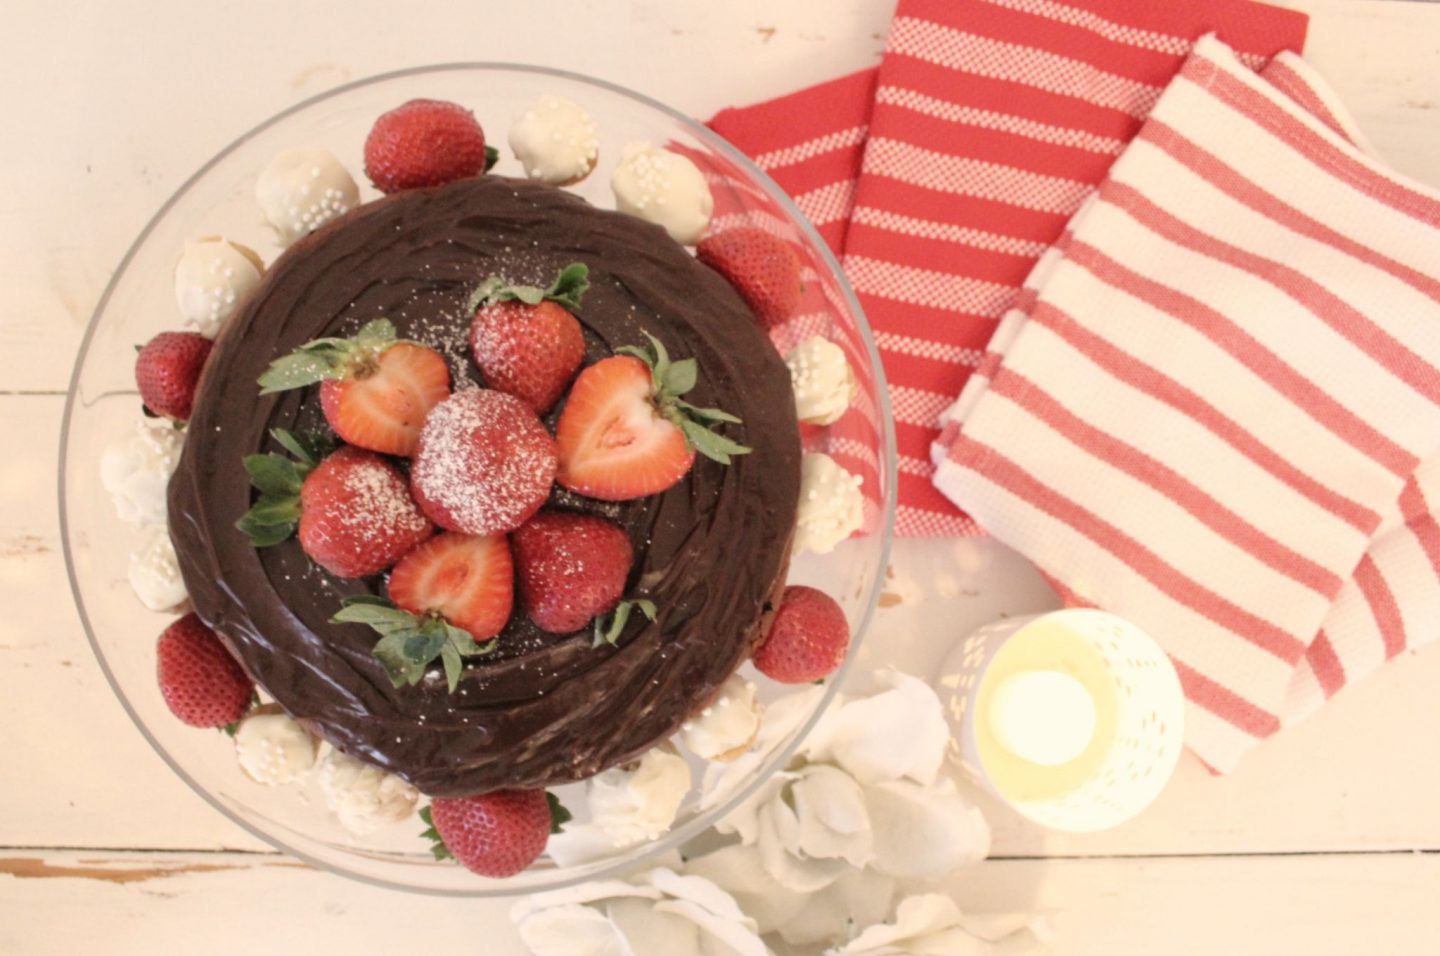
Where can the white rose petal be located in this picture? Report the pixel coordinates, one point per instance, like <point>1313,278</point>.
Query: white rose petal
<point>719,936</point>
<point>154,571</point>
<point>932,925</point>
<point>592,892</point>
<point>726,728</point>
<point>779,842</point>
<point>925,832</point>
<point>857,898</point>
<point>364,797</point>
<point>650,930</point>
<point>136,467</point>
<point>899,733</point>
<point>638,803</point>
<point>572,930</point>
<point>782,718</point>
<point>738,870</point>
<point>830,808</point>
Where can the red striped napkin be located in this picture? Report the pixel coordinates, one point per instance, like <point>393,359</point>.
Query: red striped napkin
<point>942,176</point>
<point>1208,411</point>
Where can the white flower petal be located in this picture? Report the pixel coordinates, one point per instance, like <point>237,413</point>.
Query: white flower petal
<point>778,842</point>
<point>744,820</point>
<point>726,729</point>
<point>580,843</point>
<point>895,734</point>
<point>925,832</point>
<point>782,718</point>
<point>649,929</point>
<point>737,870</point>
<point>857,898</point>
<point>572,930</point>
<point>697,890</point>
<point>739,937</point>
<point>916,916</point>
<point>833,821</point>
<point>584,893</point>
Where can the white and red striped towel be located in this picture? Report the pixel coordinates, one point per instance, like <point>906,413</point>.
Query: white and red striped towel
<point>943,175</point>
<point>1208,412</point>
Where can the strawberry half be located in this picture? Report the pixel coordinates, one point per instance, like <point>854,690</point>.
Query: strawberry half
<point>626,433</point>
<point>571,567</point>
<point>352,509</point>
<point>424,143</point>
<point>495,834</point>
<point>525,339</point>
<point>167,371</point>
<point>446,597</point>
<point>484,464</point>
<point>762,267</point>
<point>202,684</point>
<point>808,638</point>
<point>375,390</point>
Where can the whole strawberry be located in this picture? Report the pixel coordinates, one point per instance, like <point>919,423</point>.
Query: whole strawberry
<point>525,339</point>
<point>484,463</point>
<point>808,638</point>
<point>424,143</point>
<point>352,510</point>
<point>572,568</point>
<point>496,834</point>
<point>762,267</point>
<point>167,371</point>
<point>201,683</point>
<point>375,389</point>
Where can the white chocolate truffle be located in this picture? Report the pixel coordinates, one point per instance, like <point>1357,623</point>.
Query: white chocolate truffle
<point>639,801</point>
<point>136,467</point>
<point>822,379</point>
<point>831,506</point>
<point>664,188</point>
<point>556,141</point>
<point>212,278</point>
<point>365,798</point>
<point>272,748</point>
<point>725,729</point>
<point>155,573</point>
<point>302,189</point>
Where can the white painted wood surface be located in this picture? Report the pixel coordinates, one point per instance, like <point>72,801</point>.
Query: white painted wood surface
<point>111,105</point>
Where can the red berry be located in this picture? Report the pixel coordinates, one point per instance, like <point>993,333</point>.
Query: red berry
<point>613,443</point>
<point>383,402</point>
<point>572,568</point>
<point>808,638</point>
<point>202,684</point>
<point>484,464</point>
<point>356,514</point>
<point>529,351</point>
<point>762,267</point>
<point>424,143</point>
<point>168,369</point>
<point>466,579</point>
<point>496,834</point>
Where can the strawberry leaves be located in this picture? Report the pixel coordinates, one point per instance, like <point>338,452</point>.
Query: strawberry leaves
<point>559,816</point>
<point>437,843</point>
<point>410,643</point>
<point>329,358</point>
<point>566,290</point>
<point>609,627</point>
<point>670,381</point>
<point>276,513</point>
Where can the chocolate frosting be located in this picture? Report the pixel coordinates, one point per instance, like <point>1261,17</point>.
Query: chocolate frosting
<point>543,709</point>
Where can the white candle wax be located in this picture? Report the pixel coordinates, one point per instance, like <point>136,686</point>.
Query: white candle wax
<point>1043,716</point>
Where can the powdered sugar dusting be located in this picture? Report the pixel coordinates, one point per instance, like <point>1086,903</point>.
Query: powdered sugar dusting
<point>485,462</point>
<point>379,505</point>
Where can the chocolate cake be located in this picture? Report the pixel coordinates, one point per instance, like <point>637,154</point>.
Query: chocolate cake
<point>542,709</point>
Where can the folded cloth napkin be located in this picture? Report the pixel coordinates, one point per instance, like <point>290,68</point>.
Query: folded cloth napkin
<point>1208,410</point>
<point>944,174</point>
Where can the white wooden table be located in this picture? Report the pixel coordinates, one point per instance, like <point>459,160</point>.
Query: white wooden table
<point>1324,842</point>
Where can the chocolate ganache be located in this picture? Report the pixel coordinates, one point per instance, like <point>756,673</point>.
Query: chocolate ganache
<point>711,552</point>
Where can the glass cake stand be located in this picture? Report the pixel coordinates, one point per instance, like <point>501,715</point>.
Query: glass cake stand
<point>218,200</point>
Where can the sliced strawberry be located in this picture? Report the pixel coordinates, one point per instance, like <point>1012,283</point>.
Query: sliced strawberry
<point>383,409</point>
<point>424,143</point>
<point>525,339</point>
<point>484,464</point>
<point>625,432</point>
<point>495,834</point>
<point>357,517</point>
<point>572,568</point>
<point>762,267</point>
<point>167,371</point>
<point>375,390</point>
<point>202,684</point>
<point>808,638</point>
<point>466,579</point>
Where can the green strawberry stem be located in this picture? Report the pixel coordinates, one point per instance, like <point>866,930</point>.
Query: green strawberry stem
<point>566,290</point>
<point>670,380</point>
<point>409,643</point>
<point>609,627</point>
<point>437,845</point>
<point>559,816</point>
<point>276,513</point>
<point>330,358</point>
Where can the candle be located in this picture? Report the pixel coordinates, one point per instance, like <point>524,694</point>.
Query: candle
<point>1045,717</point>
